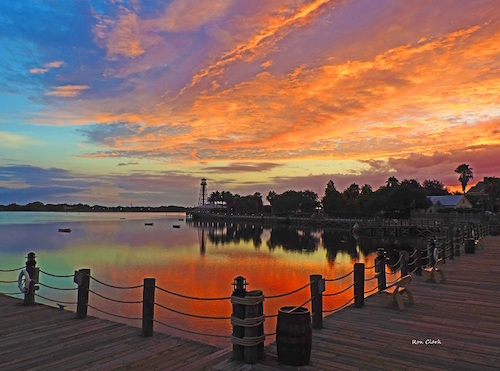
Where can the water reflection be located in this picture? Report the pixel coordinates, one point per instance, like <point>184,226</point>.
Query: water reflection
<point>199,259</point>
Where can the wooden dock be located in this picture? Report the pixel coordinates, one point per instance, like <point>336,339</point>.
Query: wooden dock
<point>459,318</point>
<point>40,337</point>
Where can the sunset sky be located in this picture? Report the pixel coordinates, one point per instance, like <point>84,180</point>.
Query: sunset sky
<point>133,102</point>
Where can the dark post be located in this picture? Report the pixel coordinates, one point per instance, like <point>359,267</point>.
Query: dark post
<point>317,289</point>
<point>29,296</point>
<point>458,240</point>
<point>380,269</point>
<point>359,285</point>
<point>443,252</point>
<point>82,278</point>
<point>418,258</point>
<point>148,306</point>
<point>252,354</point>
<point>404,263</point>
<point>239,285</point>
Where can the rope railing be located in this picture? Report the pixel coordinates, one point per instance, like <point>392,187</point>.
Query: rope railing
<point>301,305</point>
<point>339,278</point>
<point>372,290</point>
<point>340,292</point>
<point>1,281</point>
<point>57,288</point>
<point>371,267</point>
<point>390,283</point>
<point>192,332</point>
<point>56,301</point>
<point>115,300</point>
<point>57,275</point>
<point>190,297</point>
<point>191,315</point>
<point>339,308</point>
<point>12,293</point>
<point>116,287</point>
<point>288,293</point>
<point>113,314</point>
<point>395,264</point>
<point>371,279</point>
<point>11,270</point>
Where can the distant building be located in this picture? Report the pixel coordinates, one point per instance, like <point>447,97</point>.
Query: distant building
<point>448,202</point>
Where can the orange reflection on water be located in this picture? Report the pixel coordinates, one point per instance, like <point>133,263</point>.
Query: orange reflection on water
<point>204,265</point>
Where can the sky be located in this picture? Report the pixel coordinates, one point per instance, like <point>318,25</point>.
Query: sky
<point>132,102</point>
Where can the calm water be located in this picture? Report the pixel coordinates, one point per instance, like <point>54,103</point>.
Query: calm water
<point>194,260</point>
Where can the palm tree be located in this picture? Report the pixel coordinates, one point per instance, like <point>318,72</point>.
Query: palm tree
<point>465,175</point>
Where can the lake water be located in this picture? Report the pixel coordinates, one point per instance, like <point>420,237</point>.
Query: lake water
<point>196,260</point>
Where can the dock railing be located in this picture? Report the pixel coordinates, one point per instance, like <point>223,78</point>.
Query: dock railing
<point>248,317</point>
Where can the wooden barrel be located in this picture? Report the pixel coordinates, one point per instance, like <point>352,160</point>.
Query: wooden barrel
<point>294,336</point>
<point>470,246</point>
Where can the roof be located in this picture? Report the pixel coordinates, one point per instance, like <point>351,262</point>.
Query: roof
<point>446,201</point>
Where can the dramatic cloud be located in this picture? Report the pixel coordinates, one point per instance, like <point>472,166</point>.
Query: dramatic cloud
<point>256,96</point>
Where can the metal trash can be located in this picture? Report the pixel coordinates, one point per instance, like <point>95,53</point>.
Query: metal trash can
<point>294,336</point>
<point>470,246</point>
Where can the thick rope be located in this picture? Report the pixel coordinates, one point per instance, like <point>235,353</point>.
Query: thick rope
<point>248,341</point>
<point>192,332</point>
<point>248,322</point>
<point>340,308</point>
<point>189,297</point>
<point>340,292</point>
<point>8,281</point>
<point>190,315</point>
<point>58,288</point>
<point>115,300</point>
<point>112,314</point>
<point>247,300</point>
<point>56,301</point>
<point>395,264</point>
<point>299,306</point>
<point>288,293</point>
<point>56,275</point>
<point>11,270</point>
<point>117,287</point>
<point>340,278</point>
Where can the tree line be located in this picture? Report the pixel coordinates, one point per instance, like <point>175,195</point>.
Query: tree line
<point>395,199</point>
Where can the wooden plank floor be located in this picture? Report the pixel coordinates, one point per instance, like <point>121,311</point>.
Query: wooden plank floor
<point>40,337</point>
<point>461,314</point>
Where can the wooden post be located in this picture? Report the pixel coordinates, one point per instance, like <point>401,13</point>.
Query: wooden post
<point>29,296</point>
<point>380,269</point>
<point>418,258</point>
<point>239,313</point>
<point>317,289</point>
<point>82,278</point>
<point>148,306</point>
<point>403,255</point>
<point>359,285</point>
<point>443,252</point>
<point>252,354</point>
<point>458,240</point>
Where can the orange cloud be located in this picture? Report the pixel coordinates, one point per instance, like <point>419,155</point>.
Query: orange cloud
<point>67,91</point>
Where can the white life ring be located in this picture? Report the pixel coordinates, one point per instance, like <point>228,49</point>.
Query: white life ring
<point>24,289</point>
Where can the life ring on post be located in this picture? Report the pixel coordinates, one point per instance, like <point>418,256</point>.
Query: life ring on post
<point>27,280</point>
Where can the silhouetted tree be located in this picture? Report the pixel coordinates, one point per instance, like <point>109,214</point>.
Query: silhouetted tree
<point>465,175</point>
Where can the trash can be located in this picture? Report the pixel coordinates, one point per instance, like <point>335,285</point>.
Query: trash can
<point>470,246</point>
<point>294,336</point>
